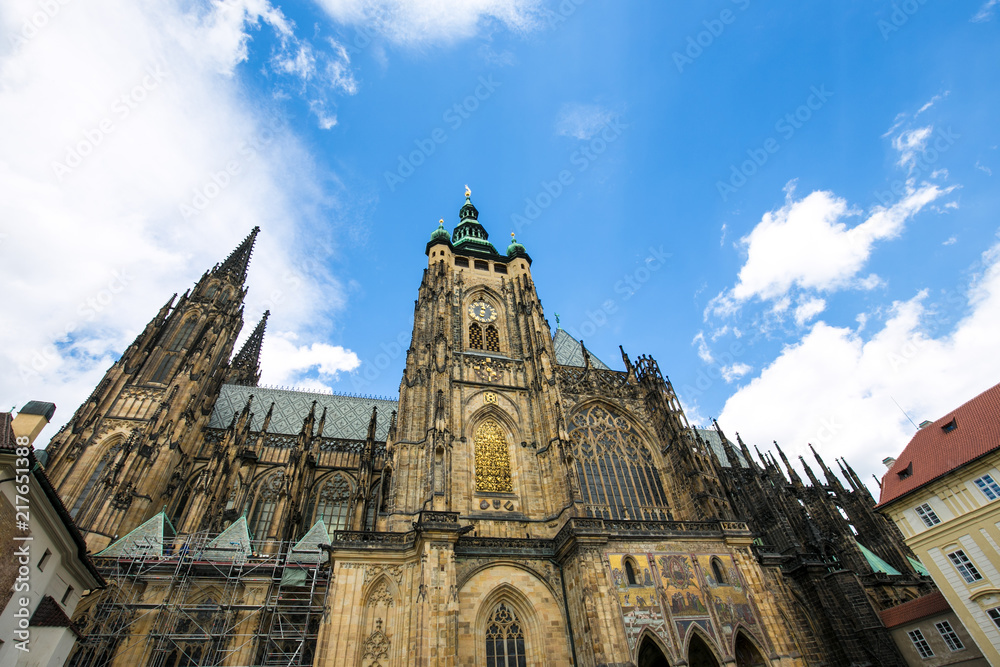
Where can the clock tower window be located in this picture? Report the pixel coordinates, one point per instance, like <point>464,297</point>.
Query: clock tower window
<point>475,336</point>
<point>492,339</point>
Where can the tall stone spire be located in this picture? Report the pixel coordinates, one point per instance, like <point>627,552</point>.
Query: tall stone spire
<point>245,367</point>
<point>235,266</point>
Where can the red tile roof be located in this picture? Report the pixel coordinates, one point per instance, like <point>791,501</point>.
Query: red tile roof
<point>7,440</point>
<point>933,452</point>
<point>49,614</point>
<point>914,610</point>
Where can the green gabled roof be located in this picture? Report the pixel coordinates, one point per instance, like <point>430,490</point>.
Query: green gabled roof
<point>307,549</point>
<point>568,352</point>
<point>876,563</point>
<point>918,566</point>
<point>231,545</point>
<point>146,540</point>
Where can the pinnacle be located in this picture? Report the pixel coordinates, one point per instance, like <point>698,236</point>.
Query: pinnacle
<point>235,266</point>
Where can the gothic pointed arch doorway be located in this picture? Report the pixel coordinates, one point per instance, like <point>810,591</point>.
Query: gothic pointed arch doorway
<point>700,655</point>
<point>650,655</point>
<point>747,653</point>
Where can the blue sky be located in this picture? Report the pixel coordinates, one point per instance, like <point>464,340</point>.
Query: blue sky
<point>790,205</point>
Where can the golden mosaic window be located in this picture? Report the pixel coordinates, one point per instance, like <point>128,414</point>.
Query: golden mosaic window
<point>492,459</point>
<point>492,339</point>
<point>475,336</point>
<point>618,477</point>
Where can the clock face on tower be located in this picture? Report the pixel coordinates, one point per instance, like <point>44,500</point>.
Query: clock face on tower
<point>481,311</point>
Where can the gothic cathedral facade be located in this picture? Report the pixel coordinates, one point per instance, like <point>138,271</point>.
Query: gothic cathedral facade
<point>520,504</point>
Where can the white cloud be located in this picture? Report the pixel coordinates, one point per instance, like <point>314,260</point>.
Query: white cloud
<point>808,310</point>
<point>952,240</point>
<point>835,389</point>
<point>983,168</point>
<point>582,121</point>
<point>704,353</point>
<point>423,22</point>
<point>139,104</point>
<point>911,142</point>
<point>735,371</point>
<point>985,12</point>
<point>807,244</point>
<point>284,362</point>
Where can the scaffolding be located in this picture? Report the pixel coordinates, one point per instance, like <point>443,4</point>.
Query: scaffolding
<point>207,600</point>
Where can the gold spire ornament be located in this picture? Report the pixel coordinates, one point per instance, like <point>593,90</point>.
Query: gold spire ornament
<point>468,192</point>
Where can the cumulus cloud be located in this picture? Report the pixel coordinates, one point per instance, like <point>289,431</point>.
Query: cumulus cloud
<point>582,121</point>
<point>835,388</point>
<point>286,362</point>
<point>807,244</point>
<point>139,162</point>
<point>735,371</point>
<point>420,22</point>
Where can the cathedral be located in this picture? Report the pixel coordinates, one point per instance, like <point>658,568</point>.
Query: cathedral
<point>522,503</point>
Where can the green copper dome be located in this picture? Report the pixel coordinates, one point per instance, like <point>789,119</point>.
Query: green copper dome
<point>440,233</point>
<point>514,246</point>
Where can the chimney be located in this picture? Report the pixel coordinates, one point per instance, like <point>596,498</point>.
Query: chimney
<point>888,462</point>
<point>32,418</point>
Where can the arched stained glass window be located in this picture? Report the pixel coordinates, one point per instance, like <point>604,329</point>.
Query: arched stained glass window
<point>492,458</point>
<point>183,335</point>
<point>618,477</point>
<point>504,639</point>
<point>162,373</point>
<point>492,339</point>
<point>263,510</point>
<point>331,503</point>
<point>475,336</point>
<point>88,487</point>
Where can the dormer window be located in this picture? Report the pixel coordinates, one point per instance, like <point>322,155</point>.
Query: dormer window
<point>950,426</point>
<point>907,471</point>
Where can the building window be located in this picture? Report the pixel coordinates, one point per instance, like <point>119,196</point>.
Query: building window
<point>989,488</point>
<point>492,339</point>
<point>499,268</point>
<point>69,591</point>
<point>87,488</point>
<point>630,572</point>
<point>482,265</point>
<point>965,566</point>
<point>949,636</point>
<point>919,643</point>
<point>504,639</point>
<point>492,459</point>
<point>994,615</point>
<point>182,336</point>
<point>44,560</point>
<point>927,515</point>
<point>462,261</point>
<point>163,372</point>
<point>332,502</point>
<point>950,426</point>
<point>616,471</point>
<point>720,576</point>
<point>475,336</point>
<point>263,511</point>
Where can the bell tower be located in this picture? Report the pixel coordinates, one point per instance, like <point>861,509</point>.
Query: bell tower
<point>479,418</point>
<point>128,447</point>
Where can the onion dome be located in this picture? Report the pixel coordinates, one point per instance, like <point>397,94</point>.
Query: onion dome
<point>514,246</point>
<point>440,234</point>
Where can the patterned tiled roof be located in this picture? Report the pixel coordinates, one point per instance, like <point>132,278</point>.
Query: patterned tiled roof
<point>934,451</point>
<point>48,614</point>
<point>914,610</point>
<point>7,440</point>
<point>711,436</point>
<point>347,417</point>
<point>568,352</point>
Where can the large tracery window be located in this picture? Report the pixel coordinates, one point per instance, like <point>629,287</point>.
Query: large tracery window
<point>492,339</point>
<point>263,509</point>
<point>475,336</point>
<point>331,503</point>
<point>618,477</point>
<point>504,639</point>
<point>492,459</point>
<point>183,335</point>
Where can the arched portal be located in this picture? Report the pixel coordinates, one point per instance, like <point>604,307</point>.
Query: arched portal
<point>747,654</point>
<point>650,655</point>
<point>699,654</point>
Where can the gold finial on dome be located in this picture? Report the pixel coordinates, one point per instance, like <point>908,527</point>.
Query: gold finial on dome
<point>468,191</point>
<point>441,222</point>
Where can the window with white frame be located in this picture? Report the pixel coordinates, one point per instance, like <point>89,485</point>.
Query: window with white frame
<point>919,643</point>
<point>994,615</point>
<point>965,566</point>
<point>927,515</point>
<point>949,636</point>
<point>989,487</point>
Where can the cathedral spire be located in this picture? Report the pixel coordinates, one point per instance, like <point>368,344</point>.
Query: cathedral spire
<point>246,364</point>
<point>796,480</point>
<point>235,266</point>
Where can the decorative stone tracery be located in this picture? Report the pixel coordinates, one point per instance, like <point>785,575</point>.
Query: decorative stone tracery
<point>492,459</point>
